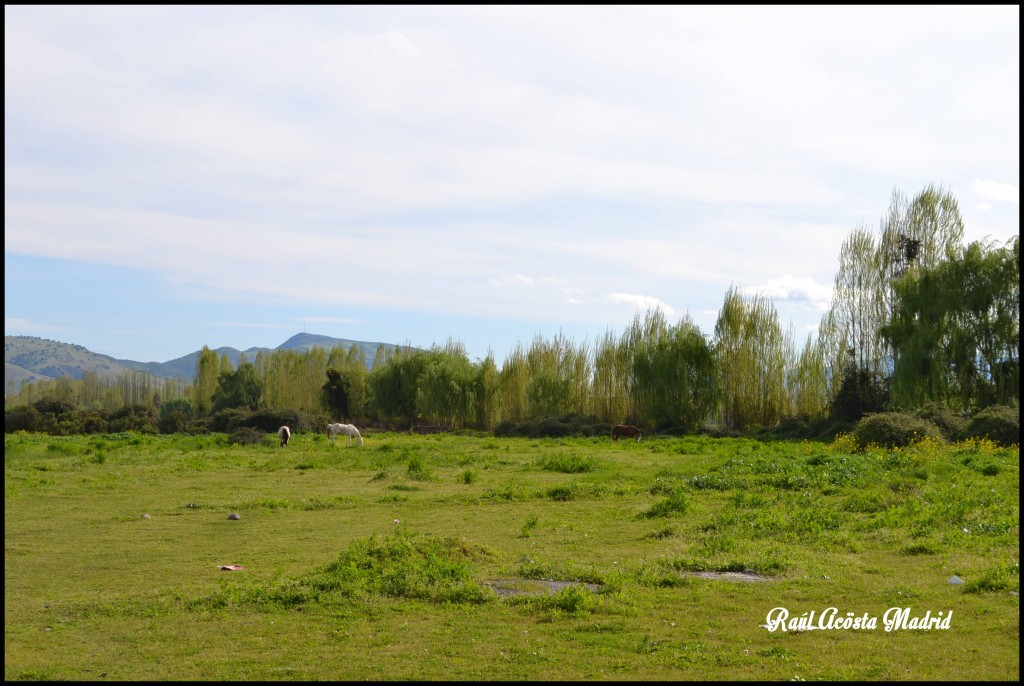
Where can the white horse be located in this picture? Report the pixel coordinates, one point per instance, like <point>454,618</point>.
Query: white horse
<point>349,430</point>
<point>284,433</point>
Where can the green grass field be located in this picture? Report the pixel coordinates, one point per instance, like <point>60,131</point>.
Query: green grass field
<point>433,557</point>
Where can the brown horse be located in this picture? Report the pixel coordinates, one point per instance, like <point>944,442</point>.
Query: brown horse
<point>627,430</point>
<point>284,434</point>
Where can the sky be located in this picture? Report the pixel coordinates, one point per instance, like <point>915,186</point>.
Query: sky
<point>181,176</point>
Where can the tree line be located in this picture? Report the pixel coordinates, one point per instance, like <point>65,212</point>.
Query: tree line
<point>916,318</point>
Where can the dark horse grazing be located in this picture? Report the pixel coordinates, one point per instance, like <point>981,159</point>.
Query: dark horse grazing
<point>627,430</point>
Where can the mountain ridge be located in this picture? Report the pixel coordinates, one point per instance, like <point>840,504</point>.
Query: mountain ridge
<point>28,359</point>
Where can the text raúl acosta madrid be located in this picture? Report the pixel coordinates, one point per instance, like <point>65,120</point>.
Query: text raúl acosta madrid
<point>895,618</point>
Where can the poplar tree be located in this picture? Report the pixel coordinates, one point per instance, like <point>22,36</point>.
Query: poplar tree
<point>207,372</point>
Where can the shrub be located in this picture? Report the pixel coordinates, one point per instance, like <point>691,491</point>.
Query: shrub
<point>893,429</point>
<point>53,406</point>
<point>551,427</point>
<point>22,418</point>
<point>248,436</point>
<point>950,423</point>
<point>999,423</point>
<point>226,421</point>
<point>790,427</point>
<point>139,418</point>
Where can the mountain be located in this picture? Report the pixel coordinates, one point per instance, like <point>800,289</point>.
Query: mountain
<point>29,359</point>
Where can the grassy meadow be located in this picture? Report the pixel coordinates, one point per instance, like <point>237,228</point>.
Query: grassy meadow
<point>433,557</point>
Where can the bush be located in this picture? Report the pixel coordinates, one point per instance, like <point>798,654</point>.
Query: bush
<point>22,418</point>
<point>551,427</point>
<point>998,423</point>
<point>53,406</point>
<point>950,423</point>
<point>894,429</point>
<point>226,421</point>
<point>133,418</point>
<point>248,436</point>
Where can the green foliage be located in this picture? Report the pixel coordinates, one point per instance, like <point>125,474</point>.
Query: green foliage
<point>249,436</point>
<point>23,418</point>
<point>894,429</point>
<point>999,423</point>
<point>567,463</point>
<point>241,388</point>
<point>1001,578</point>
<point>675,504</point>
<point>955,329</point>
<point>406,565</point>
<point>860,393</point>
<point>551,427</point>
<point>141,418</point>
<point>752,354</point>
<point>675,377</point>
<point>950,423</point>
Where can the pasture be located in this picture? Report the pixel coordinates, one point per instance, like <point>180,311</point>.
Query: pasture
<point>436,557</point>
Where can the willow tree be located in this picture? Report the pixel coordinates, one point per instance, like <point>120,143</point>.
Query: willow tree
<point>611,380</point>
<point>752,353</point>
<point>393,386</point>
<point>559,377</point>
<point>808,382</point>
<point>956,330</point>
<point>446,388</point>
<point>487,387</point>
<point>675,374</point>
<point>513,380</point>
<point>345,391</point>
<point>914,235</point>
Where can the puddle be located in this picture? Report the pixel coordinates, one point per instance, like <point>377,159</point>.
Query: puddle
<point>730,576</point>
<point>510,587</point>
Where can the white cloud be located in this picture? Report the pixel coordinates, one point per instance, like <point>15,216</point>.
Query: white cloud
<point>515,280</point>
<point>996,190</point>
<point>794,289</point>
<point>640,302</point>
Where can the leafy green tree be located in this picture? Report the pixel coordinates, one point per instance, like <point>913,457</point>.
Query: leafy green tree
<point>393,386</point>
<point>676,380</point>
<point>239,388</point>
<point>513,379</point>
<point>956,330</point>
<point>807,381</point>
<point>752,353</point>
<point>207,371</point>
<point>485,390</point>
<point>445,388</point>
<point>612,379</point>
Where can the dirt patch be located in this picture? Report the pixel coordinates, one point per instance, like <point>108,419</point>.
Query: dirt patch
<point>730,576</point>
<point>511,587</point>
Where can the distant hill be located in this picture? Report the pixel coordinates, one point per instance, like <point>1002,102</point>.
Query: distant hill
<point>28,359</point>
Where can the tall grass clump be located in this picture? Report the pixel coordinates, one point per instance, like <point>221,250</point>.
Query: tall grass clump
<point>405,565</point>
<point>571,463</point>
<point>675,504</point>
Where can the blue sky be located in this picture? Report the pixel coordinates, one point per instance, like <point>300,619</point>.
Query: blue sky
<point>230,176</point>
